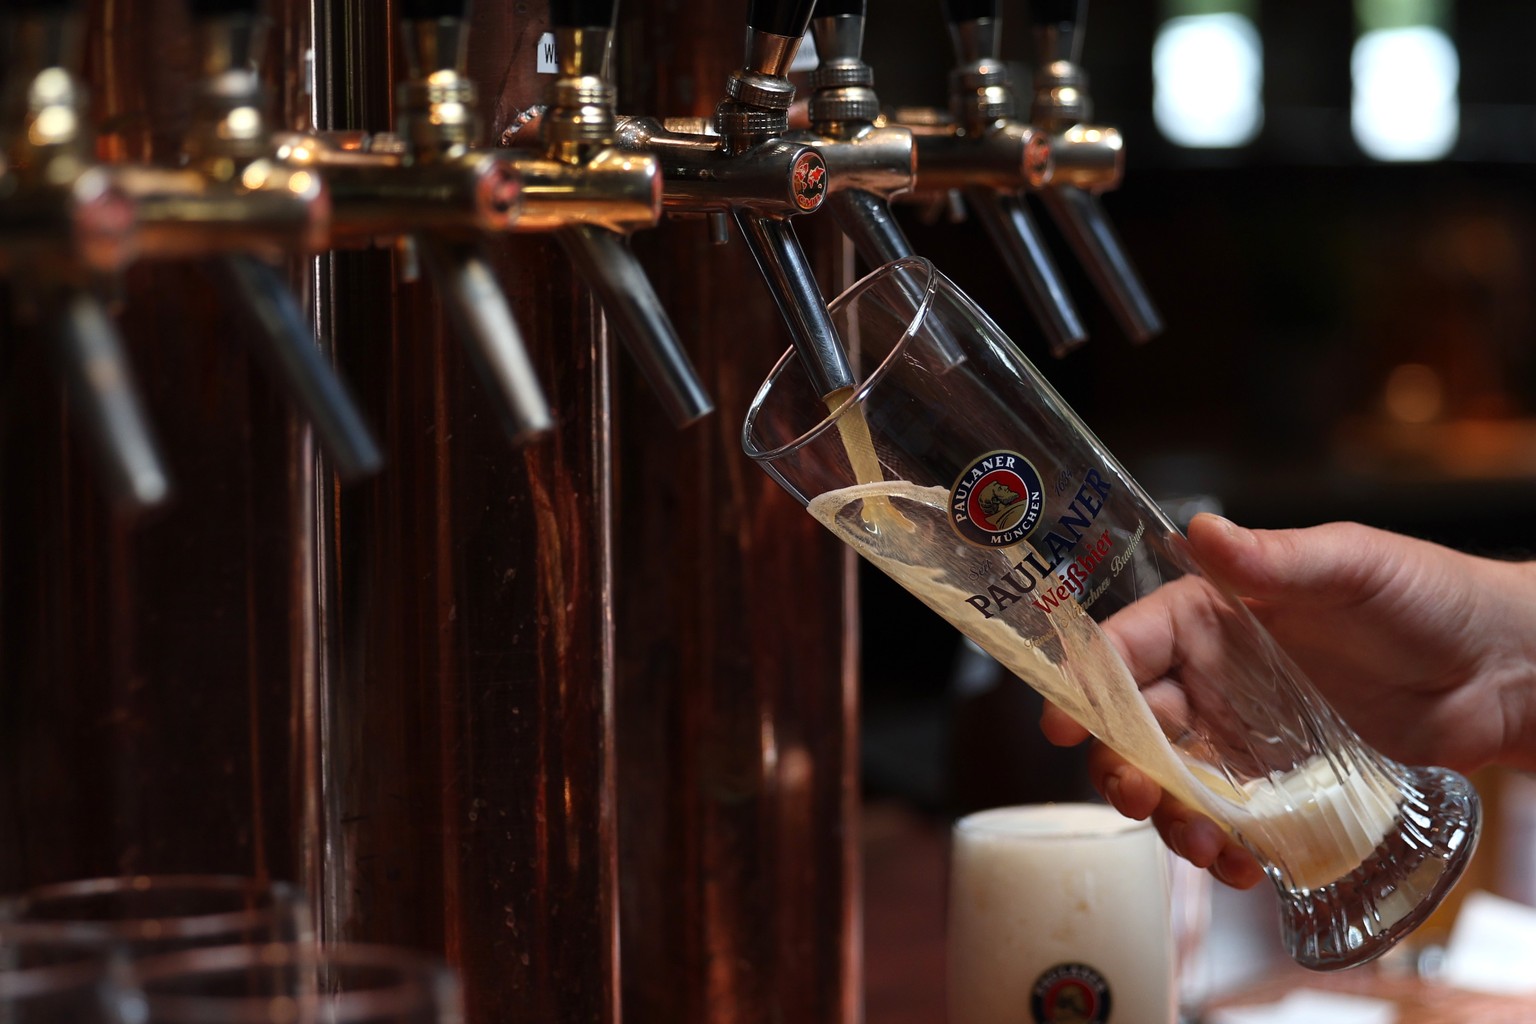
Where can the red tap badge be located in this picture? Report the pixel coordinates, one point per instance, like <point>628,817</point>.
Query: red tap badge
<point>810,180</point>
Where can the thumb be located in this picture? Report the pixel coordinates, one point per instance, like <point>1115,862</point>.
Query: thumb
<point>1335,562</point>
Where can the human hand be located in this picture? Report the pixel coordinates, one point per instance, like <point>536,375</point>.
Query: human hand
<point>1430,654</point>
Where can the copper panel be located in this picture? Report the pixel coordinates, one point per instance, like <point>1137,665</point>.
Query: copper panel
<point>467,686</point>
<point>146,668</point>
<point>736,700</point>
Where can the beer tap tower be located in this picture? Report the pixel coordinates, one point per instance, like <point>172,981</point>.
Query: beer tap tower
<point>64,225</point>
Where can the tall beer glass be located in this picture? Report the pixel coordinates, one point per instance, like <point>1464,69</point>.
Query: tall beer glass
<point>1059,912</point>
<point>957,470</point>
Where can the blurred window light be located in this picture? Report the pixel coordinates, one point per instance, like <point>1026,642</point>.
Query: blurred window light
<point>1406,73</point>
<point>1208,80</point>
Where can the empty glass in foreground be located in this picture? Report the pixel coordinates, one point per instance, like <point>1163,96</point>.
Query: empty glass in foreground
<point>140,915</point>
<point>956,469</point>
<point>41,983</point>
<point>298,983</point>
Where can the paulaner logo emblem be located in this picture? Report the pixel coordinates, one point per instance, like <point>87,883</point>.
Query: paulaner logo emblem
<point>996,500</point>
<point>809,181</point>
<point>1070,994</point>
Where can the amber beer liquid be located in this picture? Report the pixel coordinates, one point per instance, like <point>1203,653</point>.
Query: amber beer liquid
<point>1059,914</point>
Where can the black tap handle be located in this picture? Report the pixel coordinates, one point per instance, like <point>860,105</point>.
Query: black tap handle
<point>225,8</point>
<point>432,10</point>
<point>582,13</point>
<point>956,11</point>
<point>834,8</point>
<point>38,6</point>
<point>780,17</point>
<point>1057,12</point>
<point>1058,29</point>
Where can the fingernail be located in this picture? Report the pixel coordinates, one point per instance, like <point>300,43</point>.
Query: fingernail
<point>1232,530</point>
<point>1112,790</point>
<point>1176,833</point>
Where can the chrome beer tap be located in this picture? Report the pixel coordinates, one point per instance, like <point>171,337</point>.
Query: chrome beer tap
<point>63,223</point>
<point>743,166</point>
<point>592,195</point>
<point>438,120</point>
<point>982,152</point>
<point>429,188</point>
<point>1090,161</point>
<point>430,182</point>
<point>233,200</point>
<point>868,161</point>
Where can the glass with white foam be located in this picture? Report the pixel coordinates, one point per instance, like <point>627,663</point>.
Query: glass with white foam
<point>1059,912</point>
<point>955,468</point>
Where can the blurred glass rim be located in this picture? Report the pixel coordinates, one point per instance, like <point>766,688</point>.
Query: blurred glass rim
<point>414,982</point>
<point>19,986</point>
<point>924,271</point>
<point>262,899</point>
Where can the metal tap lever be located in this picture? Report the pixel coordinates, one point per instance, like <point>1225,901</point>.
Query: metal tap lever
<point>600,256</point>
<point>290,354</point>
<point>439,121</point>
<point>983,106</point>
<point>62,220</point>
<point>1062,108</point>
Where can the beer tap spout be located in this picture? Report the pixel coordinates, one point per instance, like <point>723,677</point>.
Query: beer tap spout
<point>868,163</point>
<point>628,299</point>
<point>788,273</point>
<point>98,379</point>
<point>478,310</point>
<point>1088,161</point>
<point>289,353</point>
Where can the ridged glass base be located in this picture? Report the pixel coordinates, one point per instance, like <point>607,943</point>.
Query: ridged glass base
<point>1364,914</point>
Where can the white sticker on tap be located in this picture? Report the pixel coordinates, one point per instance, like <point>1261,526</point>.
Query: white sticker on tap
<point>548,60</point>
